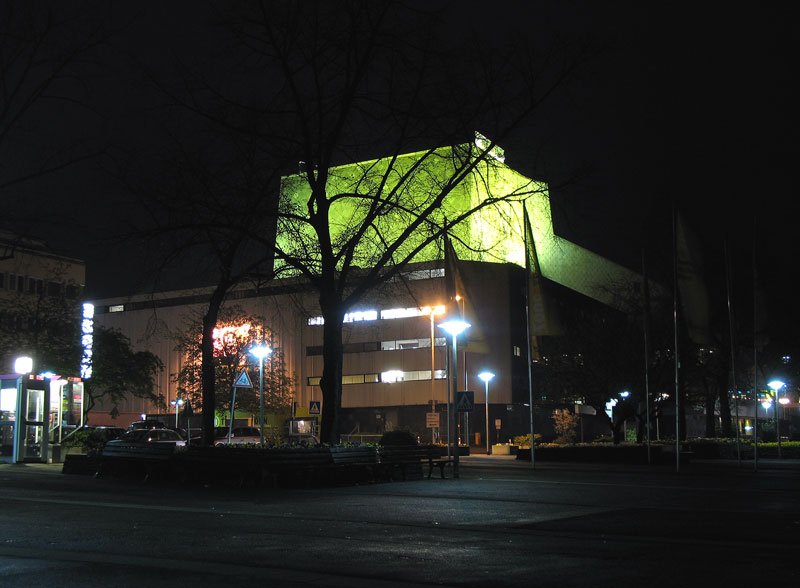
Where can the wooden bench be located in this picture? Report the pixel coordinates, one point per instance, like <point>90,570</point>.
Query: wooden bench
<point>408,460</point>
<point>149,460</point>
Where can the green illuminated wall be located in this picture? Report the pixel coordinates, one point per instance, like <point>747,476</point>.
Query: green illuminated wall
<point>494,232</point>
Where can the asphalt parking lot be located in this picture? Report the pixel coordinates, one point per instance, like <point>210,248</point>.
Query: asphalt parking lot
<point>502,523</point>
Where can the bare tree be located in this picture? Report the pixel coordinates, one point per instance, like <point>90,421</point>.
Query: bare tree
<point>47,53</point>
<point>322,84</point>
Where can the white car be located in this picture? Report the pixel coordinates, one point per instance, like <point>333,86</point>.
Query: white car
<point>239,435</point>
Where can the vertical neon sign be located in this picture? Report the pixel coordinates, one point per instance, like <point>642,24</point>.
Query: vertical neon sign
<point>87,340</point>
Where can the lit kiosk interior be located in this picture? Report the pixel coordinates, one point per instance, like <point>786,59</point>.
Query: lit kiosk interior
<point>36,413</point>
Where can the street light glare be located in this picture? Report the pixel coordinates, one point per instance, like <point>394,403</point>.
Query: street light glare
<point>23,365</point>
<point>486,376</point>
<point>776,384</point>
<point>260,351</point>
<point>455,327</point>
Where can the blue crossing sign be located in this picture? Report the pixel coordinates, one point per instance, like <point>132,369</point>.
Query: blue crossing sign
<point>243,380</point>
<point>313,407</point>
<point>465,401</point>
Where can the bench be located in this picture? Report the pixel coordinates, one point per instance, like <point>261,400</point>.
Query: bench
<point>324,466</point>
<point>149,460</point>
<point>408,460</point>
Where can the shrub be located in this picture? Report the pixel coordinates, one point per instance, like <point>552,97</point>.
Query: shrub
<point>525,440</point>
<point>398,437</point>
<point>89,441</point>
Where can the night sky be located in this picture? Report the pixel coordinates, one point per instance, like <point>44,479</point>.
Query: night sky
<point>686,106</point>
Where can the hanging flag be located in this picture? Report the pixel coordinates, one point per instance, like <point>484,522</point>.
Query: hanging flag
<point>543,314</point>
<point>461,304</point>
<point>692,290</point>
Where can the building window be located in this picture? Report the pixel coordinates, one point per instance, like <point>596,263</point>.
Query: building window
<point>2,280</point>
<point>116,308</point>
<point>517,351</point>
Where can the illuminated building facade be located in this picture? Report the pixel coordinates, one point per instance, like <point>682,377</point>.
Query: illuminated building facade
<point>395,360</point>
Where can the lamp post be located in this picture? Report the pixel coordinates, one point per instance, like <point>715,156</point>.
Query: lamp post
<point>177,403</point>
<point>432,311</point>
<point>454,327</point>
<point>486,377</point>
<point>261,351</point>
<point>776,385</point>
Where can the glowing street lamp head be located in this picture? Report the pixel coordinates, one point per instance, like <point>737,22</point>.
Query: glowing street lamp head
<point>23,365</point>
<point>776,385</point>
<point>624,394</point>
<point>766,404</point>
<point>485,377</point>
<point>454,326</point>
<point>260,351</point>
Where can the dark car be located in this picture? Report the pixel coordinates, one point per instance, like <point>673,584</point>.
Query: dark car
<point>146,425</point>
<point>150,436</point>
<point>108,433</point>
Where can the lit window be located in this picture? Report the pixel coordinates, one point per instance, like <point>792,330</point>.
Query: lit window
<point>517,351</point>
<point>395,313</point>
<point>361,315</point>
<point>408,344</point>
<point>116,308</point>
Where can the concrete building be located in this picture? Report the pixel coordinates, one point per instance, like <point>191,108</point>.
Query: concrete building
<point>395,360</point>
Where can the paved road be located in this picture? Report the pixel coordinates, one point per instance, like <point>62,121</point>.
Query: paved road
<point>501,524</point>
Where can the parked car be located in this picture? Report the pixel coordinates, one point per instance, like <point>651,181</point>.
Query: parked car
<point>238,435</point>
<point>150,436</point>
<point>146,425</point>
<point>108,433</point>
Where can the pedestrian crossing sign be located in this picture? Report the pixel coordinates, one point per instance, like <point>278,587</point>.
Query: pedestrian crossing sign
<point>313,407</point>
<point>243,380</point>
<point>465,401</point>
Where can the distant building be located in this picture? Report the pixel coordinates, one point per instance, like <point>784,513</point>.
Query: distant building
<point>30,274</point>
<point>395,364</point>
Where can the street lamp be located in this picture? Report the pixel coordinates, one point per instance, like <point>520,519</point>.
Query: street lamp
<point>23,365</point>
<point>177,403</point>
<point>454,327</point>
<point>486,377</point>
<point>776,385</point>
<point>261,351</point>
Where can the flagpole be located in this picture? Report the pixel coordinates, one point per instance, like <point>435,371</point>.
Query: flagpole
<point>675,331</point>
<point>733,349</point>
<point>645,311</point>
<point>528,332</point>
<point>755,358</point>
<point>530,376</point>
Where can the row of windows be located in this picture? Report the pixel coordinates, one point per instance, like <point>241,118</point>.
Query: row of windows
<point>389,377</point>
<point>29,285</point>
<point>368,346</point>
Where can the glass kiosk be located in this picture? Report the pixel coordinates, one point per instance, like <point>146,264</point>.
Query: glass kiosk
<point>36,413</point>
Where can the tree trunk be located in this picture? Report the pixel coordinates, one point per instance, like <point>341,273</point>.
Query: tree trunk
<point>331,381</point>
<point>207,371</point>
